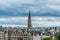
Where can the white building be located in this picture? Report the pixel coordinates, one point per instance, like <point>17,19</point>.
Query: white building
<point>36,37</point>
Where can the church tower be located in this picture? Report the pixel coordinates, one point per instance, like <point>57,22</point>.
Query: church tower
<point>29,20</point>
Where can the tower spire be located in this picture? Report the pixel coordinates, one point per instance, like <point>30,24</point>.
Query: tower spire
<point>29,20</point>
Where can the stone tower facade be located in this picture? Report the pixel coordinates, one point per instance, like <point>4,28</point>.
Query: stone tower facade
<point>29,20</point>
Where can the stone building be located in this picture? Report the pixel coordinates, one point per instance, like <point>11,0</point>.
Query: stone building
<point>20,34</point>
<point>2,35</point>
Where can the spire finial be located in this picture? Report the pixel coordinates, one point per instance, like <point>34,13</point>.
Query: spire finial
<point>29,20</point>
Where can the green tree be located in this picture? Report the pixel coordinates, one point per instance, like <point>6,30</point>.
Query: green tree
<point>58,36</point>
<point>47,38</point>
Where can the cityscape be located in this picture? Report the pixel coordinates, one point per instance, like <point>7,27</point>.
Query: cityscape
<point>29,19</point>
<point>29,32</point>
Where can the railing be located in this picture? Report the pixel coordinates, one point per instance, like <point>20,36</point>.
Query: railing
<point>16,38</point>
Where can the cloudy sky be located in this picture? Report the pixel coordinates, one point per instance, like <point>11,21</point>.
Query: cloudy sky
<point>44,13</point>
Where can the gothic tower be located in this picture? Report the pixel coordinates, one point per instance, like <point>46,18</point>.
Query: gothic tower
<point>29,20</point>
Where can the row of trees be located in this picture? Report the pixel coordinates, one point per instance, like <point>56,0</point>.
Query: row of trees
<point>47,38</point>
<point>56,38</point>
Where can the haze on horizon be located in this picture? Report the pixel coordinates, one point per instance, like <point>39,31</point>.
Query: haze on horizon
<point>43,12</point>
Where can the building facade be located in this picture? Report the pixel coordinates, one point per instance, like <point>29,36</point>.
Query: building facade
<point>2,35</point>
